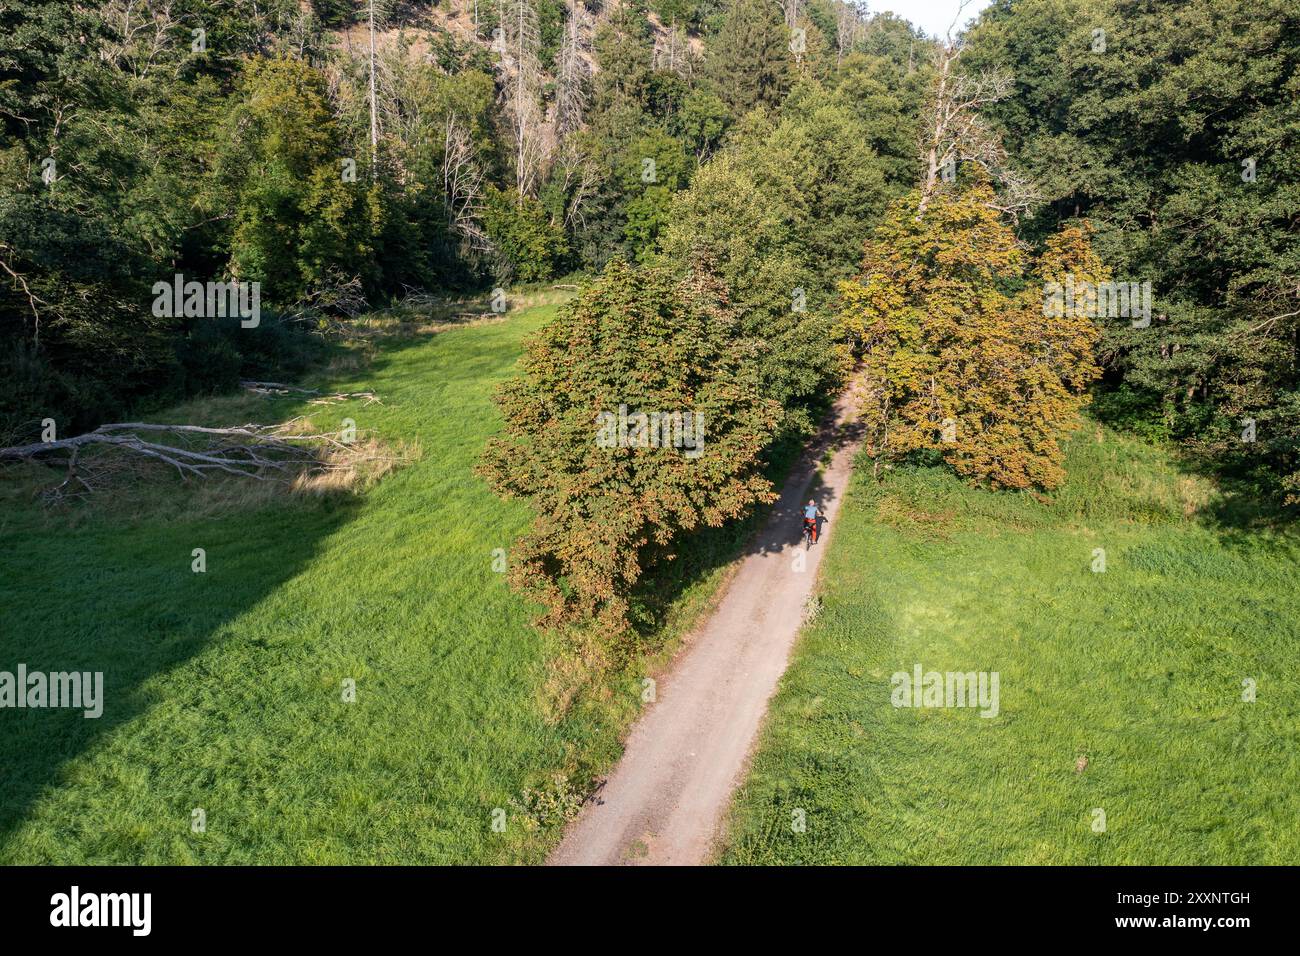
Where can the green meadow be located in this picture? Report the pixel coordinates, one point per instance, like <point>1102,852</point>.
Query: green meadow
<point>224,689</point>
<point>1121,691</point>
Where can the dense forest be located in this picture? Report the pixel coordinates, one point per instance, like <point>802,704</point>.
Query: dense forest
<point>847,190</point>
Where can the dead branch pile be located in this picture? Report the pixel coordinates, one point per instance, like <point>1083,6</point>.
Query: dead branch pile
<point>324,398</point>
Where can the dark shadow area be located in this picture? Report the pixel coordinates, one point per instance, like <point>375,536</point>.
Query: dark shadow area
<point>1244,515</point>
<point>1250,496</point>
<point>792,468</point>
<point>123,600</point>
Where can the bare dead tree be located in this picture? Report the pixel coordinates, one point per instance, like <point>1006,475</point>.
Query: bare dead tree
<point>955,132</point>
<point>672,52</point>
<point>374,112</point>
<point>327,306</point>
<point>522,79</point>
<point>578,178</point>
<point>791,9</point>
<point>572,71</point>
<point>138,33</point>
<point>850,24</point>
<point>298,30</point>
<point>33,299</point>
<point>462,182</point>
<point>403,106</point>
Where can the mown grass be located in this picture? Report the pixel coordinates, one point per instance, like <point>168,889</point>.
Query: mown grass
<point>224,689</point>
<point>1120,691</point>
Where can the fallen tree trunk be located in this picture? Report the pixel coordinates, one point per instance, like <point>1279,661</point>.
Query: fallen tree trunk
<point>258,448</point>
<point>279,388</point>
<point>261,452</point>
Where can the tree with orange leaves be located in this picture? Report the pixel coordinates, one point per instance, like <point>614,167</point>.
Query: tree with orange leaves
<point>963,353</point>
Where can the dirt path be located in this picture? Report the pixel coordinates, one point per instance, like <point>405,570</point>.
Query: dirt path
<point>665,801</point>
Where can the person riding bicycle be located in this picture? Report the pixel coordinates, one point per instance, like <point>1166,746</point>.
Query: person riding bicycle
<point>811,515</point>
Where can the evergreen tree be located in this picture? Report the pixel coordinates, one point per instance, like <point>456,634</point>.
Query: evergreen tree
<point>749,63</point>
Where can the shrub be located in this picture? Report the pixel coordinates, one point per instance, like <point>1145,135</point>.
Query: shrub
<point>529,246</point>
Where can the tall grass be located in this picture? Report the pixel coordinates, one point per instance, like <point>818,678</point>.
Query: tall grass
<point>225,688</point>
<point>1120,691</point>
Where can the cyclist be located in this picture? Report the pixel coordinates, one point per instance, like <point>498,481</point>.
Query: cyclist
<point>811,516</point>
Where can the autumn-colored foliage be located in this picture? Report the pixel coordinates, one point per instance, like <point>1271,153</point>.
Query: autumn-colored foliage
<point>960,354</point>
<point>642,340</point>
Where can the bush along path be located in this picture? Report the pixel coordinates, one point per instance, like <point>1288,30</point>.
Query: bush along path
<point>667,796</point>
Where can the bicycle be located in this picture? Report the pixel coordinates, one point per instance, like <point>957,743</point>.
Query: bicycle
<point>809,532</point>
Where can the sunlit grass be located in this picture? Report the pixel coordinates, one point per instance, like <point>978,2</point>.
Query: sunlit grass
<point>1119,691</point>
<point>224,689</point>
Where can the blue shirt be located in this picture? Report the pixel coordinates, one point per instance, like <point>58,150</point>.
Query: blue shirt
<point>810,512</point>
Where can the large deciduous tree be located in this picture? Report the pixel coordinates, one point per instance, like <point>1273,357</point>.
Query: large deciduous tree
<point>606,505</point>
<point>961,355</point>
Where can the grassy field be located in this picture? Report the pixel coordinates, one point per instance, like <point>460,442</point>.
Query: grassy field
<point>224,689</point>
<point>1120,691</point>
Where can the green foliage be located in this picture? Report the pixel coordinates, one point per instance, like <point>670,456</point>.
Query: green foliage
<point>298,224</point>
<point>784,214</point>
<point>623,46</point>
<point>550,26</point>
<point>528,245</point>
<point>650,342</point>
<point>86,324</point>
<point>701,122</point>
<point>693,14</point>
<point>1148,139</point>
<point>749,62</point>
<point>652,169</point>
<point>42,63</point>
<point>334,13</point>
<point>889,36</point>
<point>635,116</point>
<point>887,100</point>
<point>131,126</point>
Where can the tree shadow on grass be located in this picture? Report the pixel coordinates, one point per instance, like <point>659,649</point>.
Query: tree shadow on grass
<point>123,600</point>
<point>1244,513</point>
<point>1244,504</point>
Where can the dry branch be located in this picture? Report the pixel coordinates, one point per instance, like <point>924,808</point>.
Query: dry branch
<point>955,131</point>
<point>288,452</point>
<point>325,398</point>
<point>254,449</point>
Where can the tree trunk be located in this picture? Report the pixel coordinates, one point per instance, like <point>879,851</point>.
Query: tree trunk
<point>374,119</point>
